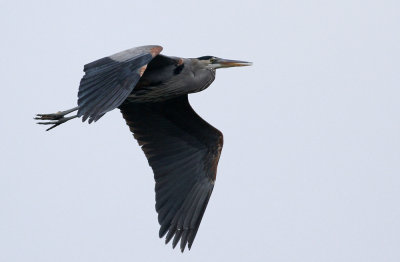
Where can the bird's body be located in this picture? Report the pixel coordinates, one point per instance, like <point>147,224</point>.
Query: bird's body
<point>183,150</point>
<point>168,77</point>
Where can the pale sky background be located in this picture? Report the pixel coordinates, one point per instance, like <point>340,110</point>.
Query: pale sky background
<point>310,170</point>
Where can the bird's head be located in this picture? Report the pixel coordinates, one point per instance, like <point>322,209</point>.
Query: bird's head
<point>212,62</point>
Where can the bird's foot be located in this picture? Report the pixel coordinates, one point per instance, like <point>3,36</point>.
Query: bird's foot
<point>55,119</point>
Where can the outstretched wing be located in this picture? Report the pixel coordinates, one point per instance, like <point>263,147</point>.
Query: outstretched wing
<point>183,151</point>
<point>109,81</point>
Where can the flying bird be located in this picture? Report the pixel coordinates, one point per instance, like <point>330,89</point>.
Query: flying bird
<point>151,90</point>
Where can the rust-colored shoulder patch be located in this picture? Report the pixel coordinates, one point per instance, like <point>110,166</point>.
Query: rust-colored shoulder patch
<point>142,69</point>
<point>156,50</point>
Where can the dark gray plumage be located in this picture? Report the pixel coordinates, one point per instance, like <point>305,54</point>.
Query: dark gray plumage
<point>109,81</point>
<point>183,150</point>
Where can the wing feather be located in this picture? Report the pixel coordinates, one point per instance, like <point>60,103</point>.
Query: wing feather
<point>109,81</point>
<point>183,151</point>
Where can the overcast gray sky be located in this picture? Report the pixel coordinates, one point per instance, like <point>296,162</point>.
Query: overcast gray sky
<point>310,167</point>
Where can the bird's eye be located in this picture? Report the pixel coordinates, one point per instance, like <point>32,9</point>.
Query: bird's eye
<point>212,59</point>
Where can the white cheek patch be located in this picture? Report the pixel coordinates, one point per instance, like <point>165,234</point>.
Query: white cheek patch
<point>215,66</point>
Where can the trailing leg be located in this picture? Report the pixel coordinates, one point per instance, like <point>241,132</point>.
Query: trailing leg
<point>56,119</point>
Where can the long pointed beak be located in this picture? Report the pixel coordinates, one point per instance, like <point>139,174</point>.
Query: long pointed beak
<point>223,63</point>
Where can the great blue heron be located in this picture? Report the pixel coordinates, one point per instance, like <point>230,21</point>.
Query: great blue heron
<point>151,90</point>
